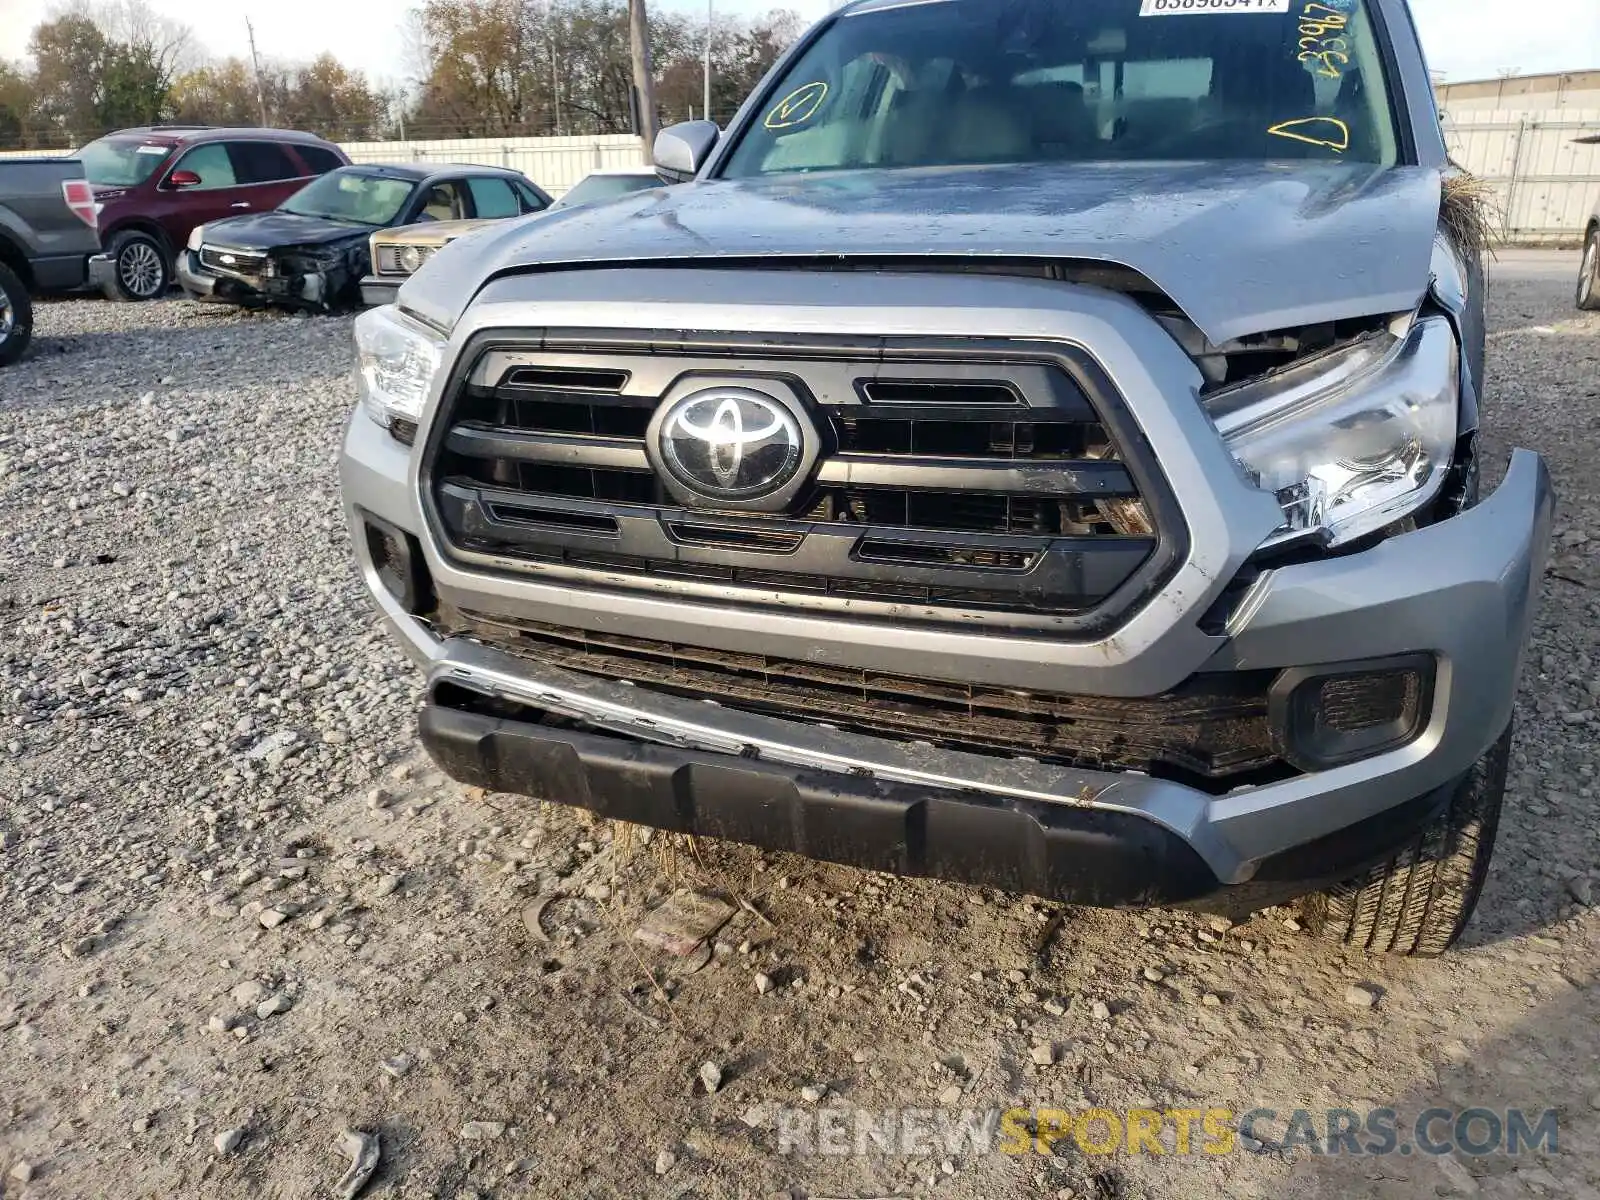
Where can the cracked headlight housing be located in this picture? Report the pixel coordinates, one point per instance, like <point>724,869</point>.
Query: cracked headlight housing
<point>1352,441</point>
<point>396,360</point>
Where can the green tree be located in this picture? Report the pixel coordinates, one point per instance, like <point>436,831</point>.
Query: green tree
<point>100,66</point>
<point>16,106</point>
<point>223,93</point>
<point>134,89</point>
<point>328,98</point>
<point>69,55</point>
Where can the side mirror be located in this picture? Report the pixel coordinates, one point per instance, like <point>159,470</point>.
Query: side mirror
<point>681,150</point>
<point>184,179</point>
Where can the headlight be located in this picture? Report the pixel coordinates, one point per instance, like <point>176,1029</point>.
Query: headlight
<point>396,360</point>
<point>411,259</point>
<point>197,238</point>
<point>1355,440</point>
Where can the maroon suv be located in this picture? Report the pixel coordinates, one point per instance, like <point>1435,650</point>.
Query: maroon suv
<point>155,185</point>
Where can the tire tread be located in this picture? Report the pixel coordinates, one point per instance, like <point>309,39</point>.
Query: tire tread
<point>1418,903</point>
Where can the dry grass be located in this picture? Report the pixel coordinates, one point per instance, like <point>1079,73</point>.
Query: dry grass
<point>1470,212</point>
<point>670,850</point>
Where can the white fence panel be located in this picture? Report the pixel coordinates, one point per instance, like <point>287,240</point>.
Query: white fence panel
<point>1545,181</point>
<point>554,163</point>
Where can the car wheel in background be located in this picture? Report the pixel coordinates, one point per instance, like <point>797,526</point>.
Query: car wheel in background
<point>16,317</point>
<point>142,271</point>
<point>1589,275</point>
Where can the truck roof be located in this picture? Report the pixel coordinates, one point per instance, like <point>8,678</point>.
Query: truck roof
<point>176,134</point>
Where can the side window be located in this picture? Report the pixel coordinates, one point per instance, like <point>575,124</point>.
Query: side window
<point>212,164</point>
<point>532,201</point>
<point>444,202</point>
<point>319,159</point>
<point>261,162</point>
<point>493,197</point>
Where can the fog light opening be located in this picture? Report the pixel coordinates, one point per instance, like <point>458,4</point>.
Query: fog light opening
<point>1324,717</point>
<point>397,560</point>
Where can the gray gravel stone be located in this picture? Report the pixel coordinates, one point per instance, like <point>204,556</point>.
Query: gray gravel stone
<point>249,993</point>
<point>399,1066</point>
<point>274,1006</point>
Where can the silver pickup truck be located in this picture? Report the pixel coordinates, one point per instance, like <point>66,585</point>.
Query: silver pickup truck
<point>1037,447</point>
<point>48,241</point>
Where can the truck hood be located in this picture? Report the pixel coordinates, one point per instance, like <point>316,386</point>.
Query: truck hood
<point>1240,247</point>
<point>273,230</point>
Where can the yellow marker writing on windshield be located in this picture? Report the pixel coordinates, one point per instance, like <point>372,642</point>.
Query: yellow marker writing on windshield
<point>798,107</point>
<point>1316,131</point>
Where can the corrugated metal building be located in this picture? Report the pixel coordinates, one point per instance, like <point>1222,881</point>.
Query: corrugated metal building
<point>1527,93</point>
<point>1529,136</point>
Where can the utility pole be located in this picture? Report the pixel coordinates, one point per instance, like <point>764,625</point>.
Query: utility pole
<point>261,96</point>
<point>643,82</point>
<point>711,16</point>
<point>555,85</point>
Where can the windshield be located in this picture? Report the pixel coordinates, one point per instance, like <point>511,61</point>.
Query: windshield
<point>607,187</point>
<point>352,196</point>
<point>991,81</point>
<point>121,162</point>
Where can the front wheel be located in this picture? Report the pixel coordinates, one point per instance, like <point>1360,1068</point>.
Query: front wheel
<point>16,317</point>
<point>1418,903</point>
<point>1589,275</point>
<point>142,270</point>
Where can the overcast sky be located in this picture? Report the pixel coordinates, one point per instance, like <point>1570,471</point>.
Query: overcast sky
<point>1466,39</point>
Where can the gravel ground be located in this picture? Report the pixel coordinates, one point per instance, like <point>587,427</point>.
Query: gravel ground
<point>240,914</point>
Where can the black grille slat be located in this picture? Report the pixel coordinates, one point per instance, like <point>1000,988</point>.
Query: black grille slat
<point>1063,575</point>
<point>1213,732</point>
<point>477,440</point>
<point>565,379</point>
<point>1014,452</point>
<point>1001,476</point>
<point>941,393</point>
<point>940,435</point>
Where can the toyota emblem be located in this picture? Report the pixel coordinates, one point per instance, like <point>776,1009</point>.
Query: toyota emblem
<point>731,444</point>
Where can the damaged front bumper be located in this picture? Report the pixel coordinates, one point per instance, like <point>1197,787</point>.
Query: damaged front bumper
<point>1460,594</point>
<point>318,289</point>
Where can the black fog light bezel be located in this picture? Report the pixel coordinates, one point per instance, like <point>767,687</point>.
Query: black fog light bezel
<point>397,560</point>
<point>1294,704</point>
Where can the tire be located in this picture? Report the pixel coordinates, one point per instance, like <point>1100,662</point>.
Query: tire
<point>1419,902</point>
<point>143,269</point>
<point>1589,274</point>
<point>16,316</point>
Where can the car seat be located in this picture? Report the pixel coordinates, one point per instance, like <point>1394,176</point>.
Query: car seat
<point>1063,127</point>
